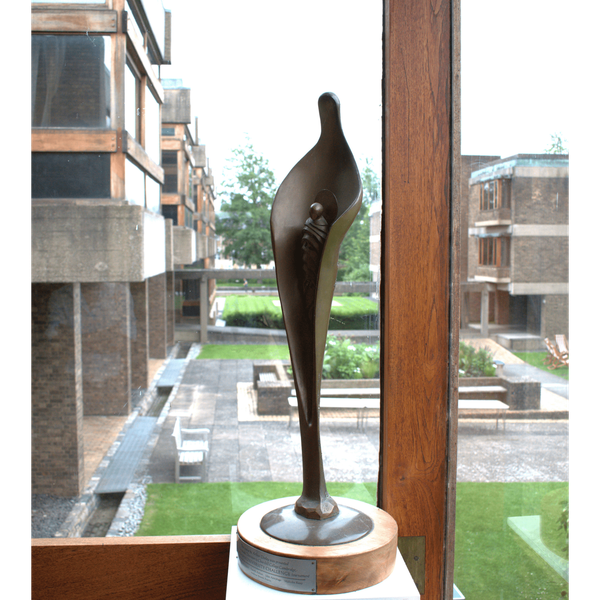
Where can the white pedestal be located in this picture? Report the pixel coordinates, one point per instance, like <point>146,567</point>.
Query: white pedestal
<point>398,586</point>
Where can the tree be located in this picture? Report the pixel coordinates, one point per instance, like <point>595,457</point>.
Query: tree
<point>244,222</point>
<point>557,145</point>
<point>355,250</point>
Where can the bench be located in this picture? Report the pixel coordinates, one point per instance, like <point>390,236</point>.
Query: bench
<point>358,399</point>
<point>191,450</point>
<point>267,376</point>
<point>496,408</point>
<point>482,392</point>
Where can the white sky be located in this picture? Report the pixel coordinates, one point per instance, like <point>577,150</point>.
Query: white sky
<point>258,68</point>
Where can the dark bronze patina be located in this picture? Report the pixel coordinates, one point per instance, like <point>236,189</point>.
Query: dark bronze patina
<point>312,211</point>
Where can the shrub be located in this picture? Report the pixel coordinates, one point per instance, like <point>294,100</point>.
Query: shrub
<point>475,363</point>
<point>347,360</point>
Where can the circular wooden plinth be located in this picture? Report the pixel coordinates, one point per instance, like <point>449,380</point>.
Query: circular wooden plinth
<point>328,569</point>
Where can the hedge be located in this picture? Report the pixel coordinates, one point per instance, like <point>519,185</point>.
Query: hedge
<point>263,312</point>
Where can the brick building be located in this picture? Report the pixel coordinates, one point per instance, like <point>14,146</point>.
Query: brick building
<point>515,246</point>
<point>103,253</point>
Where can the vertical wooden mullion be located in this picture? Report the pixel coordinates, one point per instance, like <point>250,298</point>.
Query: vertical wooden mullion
<point>415,485</point>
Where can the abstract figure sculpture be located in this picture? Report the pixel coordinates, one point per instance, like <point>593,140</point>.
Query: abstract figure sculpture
<point>315,543</point>
<point>313,209</point>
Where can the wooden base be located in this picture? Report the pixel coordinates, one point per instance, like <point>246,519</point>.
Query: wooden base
<point>339,569</point>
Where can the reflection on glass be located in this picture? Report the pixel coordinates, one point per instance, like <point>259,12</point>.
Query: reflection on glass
<point>70,175</point>
<point>152,125</point>
<point>513,468</point>
<point>132,102</point>
<point>70,81</point>
<point>135,189</point>
<point>152,194</point>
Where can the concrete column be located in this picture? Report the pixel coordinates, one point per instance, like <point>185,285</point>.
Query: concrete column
<point>485,312</point>
<point>464,310</point>
<point>157,306</point>
<point>139,344</point>
<point>57,460</point>
<point>203,311</point>
<point>107,329</point>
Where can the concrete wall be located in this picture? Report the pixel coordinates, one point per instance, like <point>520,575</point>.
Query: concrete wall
<point>95,242</point>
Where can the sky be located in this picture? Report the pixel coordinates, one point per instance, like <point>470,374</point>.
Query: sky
<point>256,70</point>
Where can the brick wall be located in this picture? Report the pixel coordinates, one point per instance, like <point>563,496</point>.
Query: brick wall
<point>139,344</point>
<point>555,315</point>
<point>171,305</point>
<point>157,310</point>
<point>540,200</point>
<point>539,259</point>
<point>57,466</point>
<point>106,327</point>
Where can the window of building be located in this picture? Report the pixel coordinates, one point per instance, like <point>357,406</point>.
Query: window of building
<point>494,251</point>
<point>169,211</point>
<point>169,164</point>
<point>132,101</point>
<point>70,175</point>
<point>494,194</point>
<point>152,126</point>
<point>135,185</point>
<point>169,131</point>
<point>152,194</point>
<point>70,81</point>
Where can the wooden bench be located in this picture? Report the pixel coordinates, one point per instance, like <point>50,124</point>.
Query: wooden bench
<point>190,452</point>
<point>495,408</point>
<point>359,399</point>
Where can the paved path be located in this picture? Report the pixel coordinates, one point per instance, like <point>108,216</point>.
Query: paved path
<point>245,447</point>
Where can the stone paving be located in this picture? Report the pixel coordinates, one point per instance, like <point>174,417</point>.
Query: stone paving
<point>246,447</point>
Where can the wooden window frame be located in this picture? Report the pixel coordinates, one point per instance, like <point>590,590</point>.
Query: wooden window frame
<point>419,339</point>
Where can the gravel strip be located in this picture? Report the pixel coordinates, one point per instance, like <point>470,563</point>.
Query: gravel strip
<point>48,513</point>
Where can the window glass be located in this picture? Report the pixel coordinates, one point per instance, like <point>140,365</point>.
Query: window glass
<point>152,125</point>
<point>169,164</point>
<point>135,189</point>
<point>512,504</point>
<point>70,175</point>
<point>70,81</point>
<point>152,194</point>
<point>132,102</point>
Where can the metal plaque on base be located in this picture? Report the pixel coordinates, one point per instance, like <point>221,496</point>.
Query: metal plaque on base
<point>317,569</point>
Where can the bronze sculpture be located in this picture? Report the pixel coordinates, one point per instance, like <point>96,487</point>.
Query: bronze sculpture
<point>314,543</point>
<point>312,211</point>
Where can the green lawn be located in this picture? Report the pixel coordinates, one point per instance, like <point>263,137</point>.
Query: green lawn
<point>245,351</point>
<point>491,561</point>
<point>536,359</point>
<point>213,508</point>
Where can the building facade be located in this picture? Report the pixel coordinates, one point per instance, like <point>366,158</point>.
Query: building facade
<point>103,253</point>
<point>515,264</point>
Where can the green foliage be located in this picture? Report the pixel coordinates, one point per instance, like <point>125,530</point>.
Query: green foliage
<point>557,145</point>
<point>355,249</point>
<point>554,527</point>
<point>262,312</point>
<point>244,222</point>
<point>475,363</point>
<point>347,360</point>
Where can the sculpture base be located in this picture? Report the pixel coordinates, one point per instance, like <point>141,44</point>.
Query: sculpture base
<point>317,569</point>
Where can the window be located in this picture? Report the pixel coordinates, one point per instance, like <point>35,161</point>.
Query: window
<point>169,164</point>
<point>70,81</point>
<point>494,194</point>
<point>132,101</point>
<point>135,188</point>
<point>152,126</point>
<point>70,175</point>
<point>494,251</point>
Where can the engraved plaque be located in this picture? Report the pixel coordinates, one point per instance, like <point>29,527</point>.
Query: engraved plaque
<point>280,572</point>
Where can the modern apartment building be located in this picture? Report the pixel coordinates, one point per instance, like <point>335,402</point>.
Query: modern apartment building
<point>515,263</point>
<point>103,251</point>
